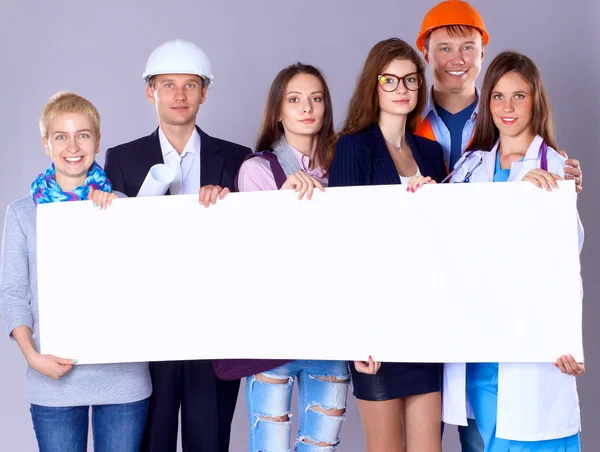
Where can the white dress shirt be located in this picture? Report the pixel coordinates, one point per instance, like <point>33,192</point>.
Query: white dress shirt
<point>186,165</point>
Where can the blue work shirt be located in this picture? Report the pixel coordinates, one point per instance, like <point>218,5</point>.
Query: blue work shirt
<point>441,131</point>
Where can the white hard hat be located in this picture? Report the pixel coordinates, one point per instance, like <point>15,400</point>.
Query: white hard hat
<point>179,57</point>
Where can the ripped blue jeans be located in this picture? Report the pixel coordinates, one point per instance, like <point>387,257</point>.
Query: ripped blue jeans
<point>322,387</point>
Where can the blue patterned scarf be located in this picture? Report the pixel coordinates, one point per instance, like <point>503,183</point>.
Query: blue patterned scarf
<point>45,189</point>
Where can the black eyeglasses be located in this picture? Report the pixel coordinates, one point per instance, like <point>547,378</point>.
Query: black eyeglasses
<point>390,82</point>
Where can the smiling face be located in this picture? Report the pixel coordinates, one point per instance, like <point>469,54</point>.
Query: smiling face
<point>72,143</point>
<point>177,98</point>
<point>455,61</point>
<point>511,105</point>
<point>303,108</point>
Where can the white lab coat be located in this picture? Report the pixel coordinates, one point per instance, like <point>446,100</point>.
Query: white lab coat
<point>535,400</point>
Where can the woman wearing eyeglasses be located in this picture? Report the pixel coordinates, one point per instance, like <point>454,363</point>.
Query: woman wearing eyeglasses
<point>376,146</point>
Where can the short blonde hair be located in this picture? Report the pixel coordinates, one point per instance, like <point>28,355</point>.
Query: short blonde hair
<point>67,102</point>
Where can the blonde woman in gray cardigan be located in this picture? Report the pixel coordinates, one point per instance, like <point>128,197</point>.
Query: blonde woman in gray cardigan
<point>59,391</point>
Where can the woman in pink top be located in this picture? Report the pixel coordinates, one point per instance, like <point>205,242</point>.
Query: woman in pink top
<point>297,128</point>
<point>294,153</point>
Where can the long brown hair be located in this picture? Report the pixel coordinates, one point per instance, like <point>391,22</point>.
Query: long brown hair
<point>486,133</point>
<point>363,110</point>
<point>271,129</point>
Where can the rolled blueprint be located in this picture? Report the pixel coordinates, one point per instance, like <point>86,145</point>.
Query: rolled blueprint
<point>157,181</point>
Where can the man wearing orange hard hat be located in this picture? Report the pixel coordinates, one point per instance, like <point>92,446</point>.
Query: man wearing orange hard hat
<point>453,37</point>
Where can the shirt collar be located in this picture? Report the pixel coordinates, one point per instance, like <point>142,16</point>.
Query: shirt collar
<point>534,148</point>
<point>304,162</point>
<point>430,105</point>
<point>532,151</point>
<point>476,111</point>
<point>191,147</point>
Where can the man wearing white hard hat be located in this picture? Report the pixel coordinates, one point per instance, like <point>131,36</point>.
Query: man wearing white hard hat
<point>177,76</point>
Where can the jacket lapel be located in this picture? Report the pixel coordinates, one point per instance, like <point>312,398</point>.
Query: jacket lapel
<point>380,151</point>
<point>489,163</point>
<point>153,153</point>
<point>414,148</point>
<point>211,162</point>
<point>530,161</point>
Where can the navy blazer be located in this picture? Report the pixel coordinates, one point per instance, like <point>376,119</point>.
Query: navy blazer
<point>363,159</point>
<point>128,164</point>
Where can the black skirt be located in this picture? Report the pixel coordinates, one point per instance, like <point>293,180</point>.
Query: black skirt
<point>397,380</point>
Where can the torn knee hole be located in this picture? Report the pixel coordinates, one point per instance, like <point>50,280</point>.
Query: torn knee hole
<point>284,418</point>
<point>276,381</point>
<point>335,412</point>
<point>333,379</point>
<point>317,443</point>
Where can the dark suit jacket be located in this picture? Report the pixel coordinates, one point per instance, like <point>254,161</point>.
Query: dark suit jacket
<point>128,164</point>
<point>363,159</point>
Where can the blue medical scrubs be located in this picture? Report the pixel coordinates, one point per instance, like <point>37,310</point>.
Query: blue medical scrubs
<point>482,390</point>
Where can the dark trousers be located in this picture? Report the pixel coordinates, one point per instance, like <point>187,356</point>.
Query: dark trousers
<point>470,438</point>
<point>207,406</point>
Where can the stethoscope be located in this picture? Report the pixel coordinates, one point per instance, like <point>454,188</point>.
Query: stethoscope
<point>544,164</point>
<point>457,167</point>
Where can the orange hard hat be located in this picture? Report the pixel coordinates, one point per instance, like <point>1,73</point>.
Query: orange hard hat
<point>451,12</point>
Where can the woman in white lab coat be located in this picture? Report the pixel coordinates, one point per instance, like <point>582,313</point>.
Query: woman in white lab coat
<point>517,406</point>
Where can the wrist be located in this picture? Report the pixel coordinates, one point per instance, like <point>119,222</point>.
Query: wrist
<point>30,356</point>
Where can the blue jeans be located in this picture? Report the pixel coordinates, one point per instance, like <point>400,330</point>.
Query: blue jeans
<point>116,428</point>
<point>321,384</point>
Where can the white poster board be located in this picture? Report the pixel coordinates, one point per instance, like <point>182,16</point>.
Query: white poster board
<point>452,273</point>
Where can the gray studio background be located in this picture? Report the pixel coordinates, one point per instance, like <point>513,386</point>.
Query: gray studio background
<point>99,49</point>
